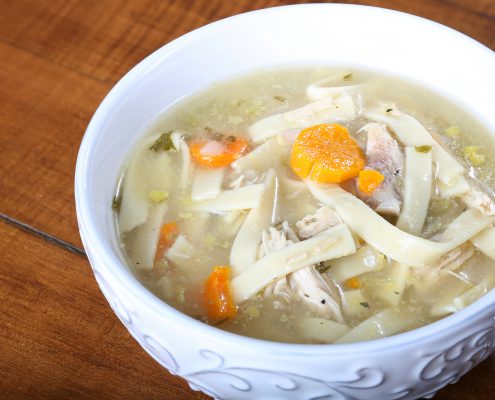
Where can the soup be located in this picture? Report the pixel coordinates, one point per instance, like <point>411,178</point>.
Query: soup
<point>312,205</point>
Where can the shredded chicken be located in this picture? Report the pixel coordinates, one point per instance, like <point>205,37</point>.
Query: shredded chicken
<point>322,219</point>
<point>273,240</point>
<point>307,284</point>
<point>313,289</point>
<point>480,201</point>
<point>384,155</point>
<point>449,263</point>
<point>455,258</point>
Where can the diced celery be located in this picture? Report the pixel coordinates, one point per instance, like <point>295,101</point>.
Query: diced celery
<point>473,156</point>
<point>157,196</point>
<point>452,131</point>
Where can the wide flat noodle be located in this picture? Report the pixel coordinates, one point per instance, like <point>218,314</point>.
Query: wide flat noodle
<point>292,185</point>
<point>148,170</point>
<point>332,86</point>
<point>320,330</point>
<point>386,323</point>
<point>264,156</point>
<point>332,243</point>
<point>390,240</point>
<point>464,227</point>
<point>458,188</point>
<point>236,199</point>
<point>417,191</point>
<point>459,302</point>
<point>143,248</point>
<point>245,247</point>
<point>319,112</point>
<point>365,259</point>
<point>207,183</point>
<point>485,242</point>
<point>410,132</point>
<point>180,251</point>
<point>181,145</point>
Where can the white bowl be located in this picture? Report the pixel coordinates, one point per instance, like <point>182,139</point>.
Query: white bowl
<point>228,366</point>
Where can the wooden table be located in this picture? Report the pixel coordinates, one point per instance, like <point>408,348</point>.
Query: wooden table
<point>58,59</point>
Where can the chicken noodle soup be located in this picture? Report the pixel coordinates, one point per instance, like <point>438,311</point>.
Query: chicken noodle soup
<point>312,205</point>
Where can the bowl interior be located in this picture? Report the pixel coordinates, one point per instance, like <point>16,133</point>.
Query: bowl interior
<point>324,34</point>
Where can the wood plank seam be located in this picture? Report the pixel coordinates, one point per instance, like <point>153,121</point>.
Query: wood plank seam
<point>37,232</point>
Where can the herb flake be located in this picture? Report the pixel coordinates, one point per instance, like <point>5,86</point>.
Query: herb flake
<point>279,98</point>
<point>347,77</point>
<point>164,143</point>
<point>423,149</point>
<point>452,131</point>
<point>322,267</point>
<point>365,304</point>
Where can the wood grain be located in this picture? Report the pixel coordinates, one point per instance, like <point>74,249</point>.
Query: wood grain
<point>42,121</point>
<point>59,338</point>
<point>104,39</point>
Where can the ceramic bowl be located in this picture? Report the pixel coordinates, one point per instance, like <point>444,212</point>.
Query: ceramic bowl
<point>227,366</point>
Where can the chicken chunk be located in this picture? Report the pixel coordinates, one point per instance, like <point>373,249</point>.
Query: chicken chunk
<point>384,155</point>
<point>322,219</point>
<point>480,201</point>
<point>316,292</point>
<point>306,284</point>
<point>448,264</point>
<point>455,258</point>
<point>273,240</point>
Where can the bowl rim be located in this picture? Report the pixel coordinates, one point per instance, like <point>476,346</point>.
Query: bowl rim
<point>100,247</point>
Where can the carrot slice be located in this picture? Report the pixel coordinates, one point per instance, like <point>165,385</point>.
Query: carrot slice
<point>216,154</point>
<point>353,283</point>
<point>369,180</point>
<point>168,233</point>
<point>326,153</point>
<point>218,298</point>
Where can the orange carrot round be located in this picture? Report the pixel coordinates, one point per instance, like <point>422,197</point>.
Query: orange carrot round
<point>168,233</point>
<point>228,152</point>
<point>326,153</point>
<point>369,180</point>
<point>218,298</point>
